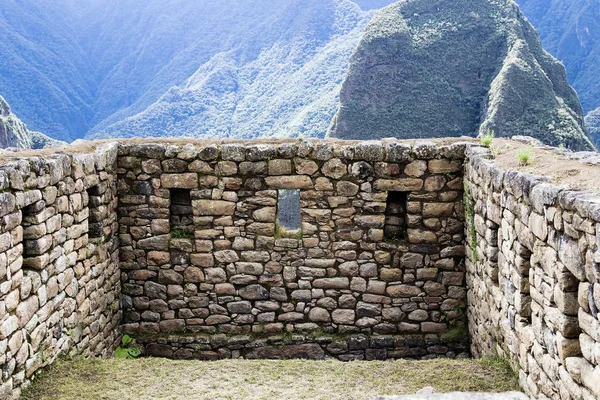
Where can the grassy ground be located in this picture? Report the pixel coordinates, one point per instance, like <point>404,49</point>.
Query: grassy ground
<point>154,378</point>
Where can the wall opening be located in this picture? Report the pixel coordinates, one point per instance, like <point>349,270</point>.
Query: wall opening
<point>289,213</point>
<point>95,222</point>
<point>30,233</point>
<point>523,297</point>
<point>395,227</point>
<point>181,218</point>
<point>494,244</point>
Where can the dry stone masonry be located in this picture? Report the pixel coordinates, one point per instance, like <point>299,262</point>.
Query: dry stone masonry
<point>533,275</point>
<point>315,249</point>
<point>289,243</point>
<point>59,273</point>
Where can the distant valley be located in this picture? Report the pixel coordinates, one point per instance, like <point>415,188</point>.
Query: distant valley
<point>277,68</point>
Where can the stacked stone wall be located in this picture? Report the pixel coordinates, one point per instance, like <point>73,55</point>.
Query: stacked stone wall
<point>239,284</point>
<point>534,278</point>
<point>59,288</point>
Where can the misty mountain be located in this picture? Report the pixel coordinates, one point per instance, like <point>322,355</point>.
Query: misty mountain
<point>570,30</point>
<point>14,133</point>
<point>436,68</point>
<point>107,67</point>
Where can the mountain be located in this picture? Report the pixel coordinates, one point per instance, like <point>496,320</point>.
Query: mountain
<point>281,77</point>
<point>14,133</point>
<point>592,120</point>
<point>570,30</point>
<point>177,67</point>
<point>43,68</point>
<point>434,68</point>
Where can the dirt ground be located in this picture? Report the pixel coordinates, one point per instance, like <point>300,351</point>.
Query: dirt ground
<point>154,378</point>
<point>561,170</point>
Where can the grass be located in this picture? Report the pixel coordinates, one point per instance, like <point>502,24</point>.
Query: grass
<point>525,156</point>
<point>155,378</point>
<point>487,138</point>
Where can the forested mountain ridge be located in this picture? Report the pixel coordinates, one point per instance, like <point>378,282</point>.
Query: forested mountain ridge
<point>76,68</point>
<point>286,85</point>
<point>14,133</point>
<point>234,68</point>
<point>570,30</point>
<point>435,68</point>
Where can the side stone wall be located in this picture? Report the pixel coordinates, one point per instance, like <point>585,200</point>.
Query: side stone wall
<point>533,275</point>
<point>59,288</point>
<point>229,279</point>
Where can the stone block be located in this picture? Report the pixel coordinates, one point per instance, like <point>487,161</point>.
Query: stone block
<point>289,182</point>
<point>179,181</point>
<point>399,185</point>
<point>213,207</point>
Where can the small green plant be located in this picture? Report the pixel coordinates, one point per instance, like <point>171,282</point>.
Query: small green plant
<point>525,156</point>
<point>181,233</point>
<point>449,321</point>
<point>128,349</point>
<point>487,138</point>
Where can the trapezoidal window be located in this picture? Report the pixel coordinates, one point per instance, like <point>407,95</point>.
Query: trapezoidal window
<point>395,227</point>
<point>289,214</point>
<point>182,222</point>
<point>98,212</point>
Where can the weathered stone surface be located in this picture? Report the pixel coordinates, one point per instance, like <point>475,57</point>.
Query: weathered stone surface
<point>213,207</point>
<point>289,182</point>
<point>399,185</point>
<point>179,181</point>
<point>306,351</point>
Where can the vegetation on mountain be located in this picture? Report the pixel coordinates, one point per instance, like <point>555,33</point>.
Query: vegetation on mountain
<point>570,30</point>
<point>14,133</point>
<point>434,68</point>
<point>592,121</point>
<point>177,67</point>
<point>286,85</point>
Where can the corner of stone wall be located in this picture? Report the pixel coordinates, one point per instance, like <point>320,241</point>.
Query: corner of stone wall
<point>59,287</point>
<point>533,278</point>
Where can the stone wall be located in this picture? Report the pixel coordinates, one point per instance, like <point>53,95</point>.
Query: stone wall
<point>534,278</point>
<point>59,280</point>
<point>353,250</point>
<point>376,270</point>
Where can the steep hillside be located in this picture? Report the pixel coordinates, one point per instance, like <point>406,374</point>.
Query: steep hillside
<point>570,30</point>
<point>14,133</point>
<point>592,121</point>
<point>43,68</point>
<point>433,68</point>
<point>273,82</point>
<point>102,67</point>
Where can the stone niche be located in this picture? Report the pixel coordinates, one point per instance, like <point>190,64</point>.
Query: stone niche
<point>331,248</point>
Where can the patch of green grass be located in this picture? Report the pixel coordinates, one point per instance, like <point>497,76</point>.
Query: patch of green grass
<point>525,156</point>
<point>181,233</point>
<point>155,378</point>
<point>487,138</point>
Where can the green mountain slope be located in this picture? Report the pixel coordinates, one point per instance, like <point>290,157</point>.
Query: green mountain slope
<point>14,133</point>
<point>43,70</point>
<point>286,86</point>
<point>592,121</point>
<point>570,30</point>
<point>432,68</point>
<point>102,67</point>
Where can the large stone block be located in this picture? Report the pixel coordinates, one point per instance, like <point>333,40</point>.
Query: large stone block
<point>289,182</point>
<point>399,185</point>
<point>213,207</point>
<point>179,181</point>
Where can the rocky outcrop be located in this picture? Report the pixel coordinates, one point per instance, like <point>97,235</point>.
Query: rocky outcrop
<point>435,68</point>
<point>592,122</point>
<point>14,133</point>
